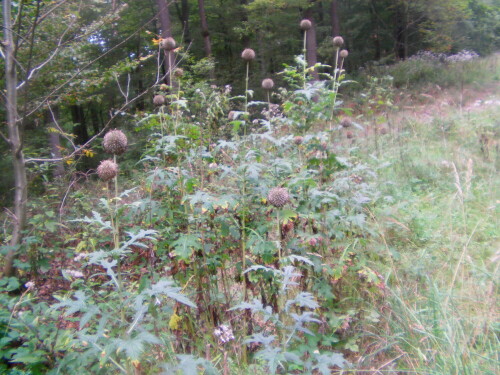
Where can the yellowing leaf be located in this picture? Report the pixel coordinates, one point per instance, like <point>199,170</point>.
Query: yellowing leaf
<point>174,321</point>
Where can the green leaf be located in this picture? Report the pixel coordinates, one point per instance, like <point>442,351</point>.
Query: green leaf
<point>185,245</point>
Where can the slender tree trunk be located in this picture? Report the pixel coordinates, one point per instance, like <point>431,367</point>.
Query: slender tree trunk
<point>50,119</point>
<point>94,117</point>
<point>311,50</point>
<point>166,31</point>
<point>400,31</point>
<point>375,31</point>
<point>205,33</point>
<point>244,19</point>
<point>15,143</point>
<point>204,28</point>
<point>334,16</point>
<point>80,127</point>
<point>183,14</point>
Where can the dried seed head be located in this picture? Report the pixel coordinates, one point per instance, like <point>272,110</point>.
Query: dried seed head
<point>298,140</point>
<point>349,134</point>
<point>115,142</point>
<point>384,130</point>
<point>346,122</point>
<point>344,53</point>
<point>248,54</point>
<point>305,25</point>
<point>278,197</point>
<point>179,72</point>
<point>107,170</point>
<point>158,100</point>
<point>168,44</point>
<point>338,41</point>
<point>267,84</point>
<point>324,145</point>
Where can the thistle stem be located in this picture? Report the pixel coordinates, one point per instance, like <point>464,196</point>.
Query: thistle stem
<point>304,50</point>
<point>246,100</point>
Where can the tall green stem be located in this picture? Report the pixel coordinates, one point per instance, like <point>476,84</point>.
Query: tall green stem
<point>246,101</point>
<point>304,51</point>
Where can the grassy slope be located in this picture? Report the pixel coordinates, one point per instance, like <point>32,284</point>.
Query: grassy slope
<point>441,227</point>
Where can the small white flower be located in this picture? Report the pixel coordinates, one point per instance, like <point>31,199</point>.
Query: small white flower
<point>75,274</point>
<point>224,333</point>
<point>29,285</point>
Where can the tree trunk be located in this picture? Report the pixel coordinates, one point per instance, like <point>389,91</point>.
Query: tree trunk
<point>334,16</point>
<point>183,14</point>
<point>204,28</point>
<point>244,19</point>
<point>80,126</point>
<point>375,33</point>
<point>311,48</point>
<point>400,30</point>
<point>54,140</point>
<point>166,31</point>
<point>15,144</point>
<point>205,33</point>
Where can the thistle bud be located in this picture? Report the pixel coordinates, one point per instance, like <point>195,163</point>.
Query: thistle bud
<point>278,197</point>
<point>349,135</point>
<point>115,142</point>
<point>267,84</point>
<point>344,53</point>
<point>107,170</point>
<point>298,140</point>
<point>338,41</point>
<point>346,122</point>
<point>305,24</point>
<point>168,44</point>
<point>158,100</point>
<point>179,72</point>
<point>248,54</point>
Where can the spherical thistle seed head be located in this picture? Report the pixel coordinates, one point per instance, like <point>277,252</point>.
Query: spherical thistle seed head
<point>344,53</point>
<point>338,41</point>
<point>346,122</point>
<point>278,197</point>
<point>168,43</point>
<point>115,142</point>
<point>349,134</point>
<point>305,24</point>
<point>158,100</point>
<point>107,170</point>
<point>267,84</point>
<point>298,140</point>
<point>179,72</point>
<point>248,54</point>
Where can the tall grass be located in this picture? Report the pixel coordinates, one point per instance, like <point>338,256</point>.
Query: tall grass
<point>441,229</point>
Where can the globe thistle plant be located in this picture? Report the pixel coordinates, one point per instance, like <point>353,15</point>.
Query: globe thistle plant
<point>338,42</point>
<point>107,170</point>
<point>305,24</point>
<point>268,84</point>
<point>168,44</point>
<point>159,100</point>
<point>278,197</point>
<point>115,142</point>
<point>248,55</point>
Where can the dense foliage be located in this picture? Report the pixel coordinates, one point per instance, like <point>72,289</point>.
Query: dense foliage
<point>202,214</point>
